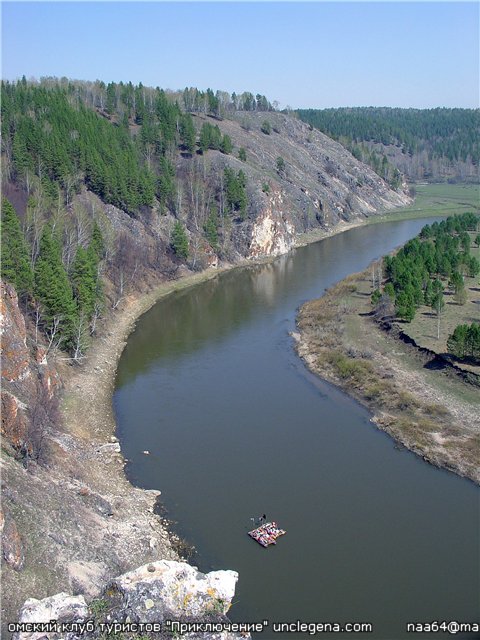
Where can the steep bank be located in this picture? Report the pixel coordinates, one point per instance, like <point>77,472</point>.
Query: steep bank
<point>433,413</point>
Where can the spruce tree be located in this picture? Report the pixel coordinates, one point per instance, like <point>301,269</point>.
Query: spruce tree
<point>15,255</point>
<point>187,133</point>
<point>52,287</point>
<point>84,280</point>
<point>226,145</point>
<point>211,230</point>
<point>180,240</point>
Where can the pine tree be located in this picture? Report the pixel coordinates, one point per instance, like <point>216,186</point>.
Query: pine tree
<point>84,281</point>
<point>204,141</point>
<point>187,133</point>
<point>266,128</point>
<point>52,287</point>
<point>211,229</point>
<point>180,240</point>
<point>438,304</point>
<point>226,145</point>
<point>96,243</point>
<point>15,255</point>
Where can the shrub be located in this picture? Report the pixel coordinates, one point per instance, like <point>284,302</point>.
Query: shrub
<point>266,128</point>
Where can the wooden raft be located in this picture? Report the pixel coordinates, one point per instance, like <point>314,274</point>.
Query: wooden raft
<point>266,534</point>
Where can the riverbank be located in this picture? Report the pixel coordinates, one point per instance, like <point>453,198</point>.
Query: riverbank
<point>432,413</point>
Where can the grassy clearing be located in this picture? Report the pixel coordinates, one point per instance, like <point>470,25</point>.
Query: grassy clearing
<point>436,199</point>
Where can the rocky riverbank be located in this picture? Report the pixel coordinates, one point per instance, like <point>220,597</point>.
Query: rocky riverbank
<point>433,413</point>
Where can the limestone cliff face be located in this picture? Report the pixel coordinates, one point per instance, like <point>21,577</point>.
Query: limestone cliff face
<point>298,180</point>
<point>28,390</point>
<point>15,353</point>
<point>273,232</point>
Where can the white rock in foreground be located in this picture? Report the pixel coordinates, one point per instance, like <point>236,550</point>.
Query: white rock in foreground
<point>177,588</point>
<point>61,607</point>
<point>153,593</point>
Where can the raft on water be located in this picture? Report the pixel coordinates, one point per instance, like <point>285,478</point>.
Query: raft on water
<point>266,534</point>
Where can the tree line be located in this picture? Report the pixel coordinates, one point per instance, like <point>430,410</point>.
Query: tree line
<point>422,142</point>
<point>453,133</point>
<point>126,157</point>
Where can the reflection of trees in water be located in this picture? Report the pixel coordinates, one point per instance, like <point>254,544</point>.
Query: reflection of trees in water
<point>185,321</point>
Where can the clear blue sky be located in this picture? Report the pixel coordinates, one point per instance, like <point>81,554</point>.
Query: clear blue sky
<point>313,54</point>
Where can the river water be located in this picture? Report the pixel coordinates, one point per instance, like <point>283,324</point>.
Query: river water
<point>209,383</point>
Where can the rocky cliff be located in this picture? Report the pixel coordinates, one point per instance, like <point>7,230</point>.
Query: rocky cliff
<point>298,180</point>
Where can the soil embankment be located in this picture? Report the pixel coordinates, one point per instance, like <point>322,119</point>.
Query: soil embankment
<point>432,412</point>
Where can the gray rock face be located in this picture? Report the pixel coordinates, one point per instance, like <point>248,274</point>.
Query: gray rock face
<point>12,545</point>
<point>173,590</point>
<point>163,592</point>
<point>87,578</point>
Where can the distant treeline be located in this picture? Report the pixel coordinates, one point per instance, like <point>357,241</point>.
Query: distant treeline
<point>450,135</point>
<point>453,133</point>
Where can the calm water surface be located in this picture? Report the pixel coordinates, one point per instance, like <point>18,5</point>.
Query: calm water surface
<point>210,384</point>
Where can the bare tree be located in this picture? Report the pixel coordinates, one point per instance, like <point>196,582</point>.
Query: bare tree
<point>97,312</point>
<point>43,414</point>
<point>53,334</point>
<point>80,337</point>
<point>34,222</point>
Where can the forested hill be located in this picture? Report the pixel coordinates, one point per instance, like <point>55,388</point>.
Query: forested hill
<point>109,186</point>
<point>53,131</point>
<point>424,144</point>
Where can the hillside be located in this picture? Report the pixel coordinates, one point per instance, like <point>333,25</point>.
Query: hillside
<point>433,145</point>
<point>110,192</point>
<point>115,184</point>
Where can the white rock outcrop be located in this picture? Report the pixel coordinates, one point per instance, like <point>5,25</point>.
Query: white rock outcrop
<point>61,608</point>
<point>177,588</point>
<point>157,592</point>
<point>273,234</point>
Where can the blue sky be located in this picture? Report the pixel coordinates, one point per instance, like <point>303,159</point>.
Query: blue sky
<point>312,54</point>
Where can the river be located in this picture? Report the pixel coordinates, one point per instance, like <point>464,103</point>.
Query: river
<point>209,383</point>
